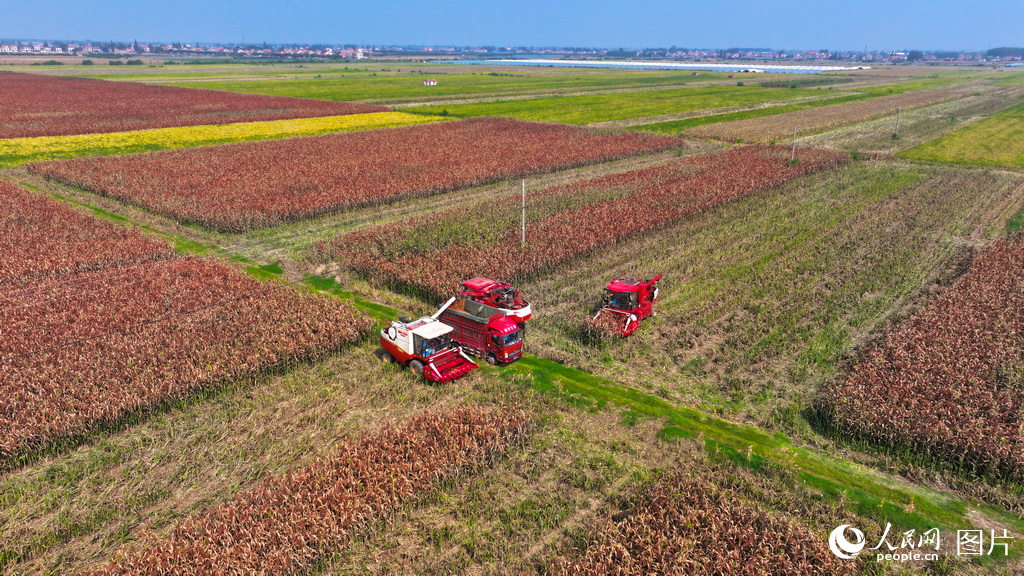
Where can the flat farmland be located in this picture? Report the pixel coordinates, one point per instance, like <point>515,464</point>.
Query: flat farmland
<point>269,530</point>
<point>847,94</point>
<point>946,382</point>
<point>237,187</point>
<point>92,339</point>
<point>85,106</point>
<point>765,297</point>
<point>161,408</point>
<point>682,523</point>
<point>64,242</point>
<point>195,454</point>
<point>400,84</point>
<point>994,141</point>
<point>587,109</point>
<point>916,126</point>
<point>676,127</point>
<point>21,150</point>
<point>780,127</point>
<point>435,252</point>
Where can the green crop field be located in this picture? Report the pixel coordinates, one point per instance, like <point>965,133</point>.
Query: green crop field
<point>383,86</point>
<point>994,141</point>
<point>917,126</point>
<point>677,126</point>
<point>587,109</point>
<point>1013,78</point>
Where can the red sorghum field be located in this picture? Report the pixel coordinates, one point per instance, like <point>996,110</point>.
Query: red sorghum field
<point>949,380</point>
<point>685,524</point>
<point>287,523</point>
<point>644,200</point>
<point>40,238</point>
<point>236,187</point>
<point>38,105</point>
<point>95,346</point>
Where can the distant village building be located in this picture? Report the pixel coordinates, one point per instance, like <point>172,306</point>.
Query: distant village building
<point>430,82</point>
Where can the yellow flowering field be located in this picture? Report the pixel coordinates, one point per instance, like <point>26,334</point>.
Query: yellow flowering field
<point>19,150</point>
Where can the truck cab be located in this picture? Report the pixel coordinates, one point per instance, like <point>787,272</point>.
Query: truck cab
<point>426,347</point>
<point>484,331</point>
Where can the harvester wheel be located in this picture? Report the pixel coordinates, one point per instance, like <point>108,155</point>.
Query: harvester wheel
<point>387,358</point>
<point>417,367</point>
<point>492,359</point>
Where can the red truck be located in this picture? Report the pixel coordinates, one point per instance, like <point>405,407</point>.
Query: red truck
<point>630,300</point>
<point>484,331</point>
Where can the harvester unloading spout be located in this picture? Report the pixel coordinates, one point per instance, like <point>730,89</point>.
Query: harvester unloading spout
<point>443,307</point>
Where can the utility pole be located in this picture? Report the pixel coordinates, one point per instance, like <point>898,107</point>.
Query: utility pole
<point>522,242</point>
<point>956,108</point>
<point>792,155</point>
<point>896,134</point>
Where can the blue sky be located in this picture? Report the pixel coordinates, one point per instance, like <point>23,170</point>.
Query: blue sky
<point>799,24</point>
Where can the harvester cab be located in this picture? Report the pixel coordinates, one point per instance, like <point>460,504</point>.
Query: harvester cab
<point>630,301</point>
<point>425,346</point>
<point>501,295</point>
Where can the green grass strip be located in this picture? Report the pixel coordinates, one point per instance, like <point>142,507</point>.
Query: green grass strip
<point>586,109</point>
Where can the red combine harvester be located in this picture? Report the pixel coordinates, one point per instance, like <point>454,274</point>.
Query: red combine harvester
<point>425,346</point>
<point>484,331</point>
<point>500,295</point>
<point>630,300</point>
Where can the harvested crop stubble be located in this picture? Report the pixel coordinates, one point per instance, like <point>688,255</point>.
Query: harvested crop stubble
<point>286,523</point>
<point>41,238</point>
<point>649,199</point>
<point>236,187</point>
<point>37,105</point>
<point>781,126</point>
<point>948,381</point>
<point>687,525</point>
